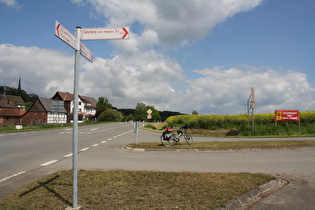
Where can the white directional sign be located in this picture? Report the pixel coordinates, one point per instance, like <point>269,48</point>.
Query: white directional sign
<point>88,54</point>
<point>104,33</point>
<point>63,34</point>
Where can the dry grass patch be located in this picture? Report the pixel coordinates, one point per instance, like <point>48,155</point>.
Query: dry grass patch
<point>226,144</point>
<point>135,190</point>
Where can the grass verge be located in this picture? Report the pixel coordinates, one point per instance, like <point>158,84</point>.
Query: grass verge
<point>227,144</point>
<point>135,190</point>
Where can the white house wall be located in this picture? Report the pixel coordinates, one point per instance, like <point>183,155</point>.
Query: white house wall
<point>57,118</point>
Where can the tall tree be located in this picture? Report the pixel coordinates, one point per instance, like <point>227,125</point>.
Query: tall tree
<point>140,112</point>
<point>103,103</point>
<point>155,113</point>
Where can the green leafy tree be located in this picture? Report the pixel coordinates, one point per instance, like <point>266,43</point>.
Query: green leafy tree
<point>110,115</point>
<point>140,112</point>
<point>103,103</point>
<point>194,113</point>
<point>155,113</point>
<point>19,92</point>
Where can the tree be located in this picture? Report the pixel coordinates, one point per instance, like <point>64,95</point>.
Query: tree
<point>19,92</point>
<point>140,112</point>
<point>110,115</point>
<point>103,103</point>
<point>155,113</point>
<point>194,113</point>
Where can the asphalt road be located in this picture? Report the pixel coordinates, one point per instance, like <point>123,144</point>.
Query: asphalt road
<point>28,156</point>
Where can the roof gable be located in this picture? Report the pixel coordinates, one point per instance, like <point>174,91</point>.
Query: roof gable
<point>15,99</point>
<point>45,105</point>
<point>88,101</point>
<point>7,103</point>
<point>63,96</point>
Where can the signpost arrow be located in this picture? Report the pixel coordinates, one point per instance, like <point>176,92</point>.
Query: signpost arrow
<point>63,34</point>
<point>105,33</point>
<point>88,54</point>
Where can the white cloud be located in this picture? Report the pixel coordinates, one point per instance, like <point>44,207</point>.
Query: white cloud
<point>140,72</point>
<point>10,3</point>
<point>173,22</point>
<point>228,89</point>
<point>154,80</point>
<point>42,71</point>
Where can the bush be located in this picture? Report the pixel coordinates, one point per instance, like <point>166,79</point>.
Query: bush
<point>110,115</point>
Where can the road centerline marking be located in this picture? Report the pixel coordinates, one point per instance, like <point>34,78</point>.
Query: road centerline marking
<point>84,149</point>
<point>49,163</point>
<point>9,177</point>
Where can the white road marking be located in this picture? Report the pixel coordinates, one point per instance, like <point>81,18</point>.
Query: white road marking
<point>68,155</point>
<point>49,163</point>
<point>84,149</point>
<point>109,139</point>
<point>94,145</point>
<point>103,142</point>
<point>9,177</point>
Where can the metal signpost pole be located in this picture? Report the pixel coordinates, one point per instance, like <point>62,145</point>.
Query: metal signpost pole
<point>75,42</point>
<point>75,121</point>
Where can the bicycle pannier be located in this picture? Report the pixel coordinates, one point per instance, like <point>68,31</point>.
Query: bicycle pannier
<point>167,135</point>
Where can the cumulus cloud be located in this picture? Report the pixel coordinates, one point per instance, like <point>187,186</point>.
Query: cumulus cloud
<point>42,71</point>
<point>172,22</point>
<point>154,80</point>
<point>140,71</point>
<point>228,89</point>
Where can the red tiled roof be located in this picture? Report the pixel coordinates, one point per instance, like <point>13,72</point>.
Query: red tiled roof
<point>66,96</point>
<point>11,112</point>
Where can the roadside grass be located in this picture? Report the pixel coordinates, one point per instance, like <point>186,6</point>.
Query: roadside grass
<point>12,128</point>
<point>135,190</point>
<point>227,145</point>
<point>26,128</point>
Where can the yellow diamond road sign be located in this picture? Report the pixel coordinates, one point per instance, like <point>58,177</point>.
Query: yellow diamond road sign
<point>149,111</point>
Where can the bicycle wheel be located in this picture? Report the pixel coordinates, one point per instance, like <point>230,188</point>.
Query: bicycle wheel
<point>188,138</point>
<point>168,142</point>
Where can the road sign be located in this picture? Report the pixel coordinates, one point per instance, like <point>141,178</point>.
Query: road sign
<point>105,33</point>
<point>149,116</point>
<point>63,34</point>
<point>88,54</point>
<point>149,111</point>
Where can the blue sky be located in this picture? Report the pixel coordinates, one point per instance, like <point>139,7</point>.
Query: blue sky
<point>181,56</point>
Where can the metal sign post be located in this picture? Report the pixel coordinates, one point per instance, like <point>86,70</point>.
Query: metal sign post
<point>75,121</point>
<point>75,42</point>
<point>136,130</point>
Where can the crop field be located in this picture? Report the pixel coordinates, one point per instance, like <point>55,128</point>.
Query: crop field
<point>264,124</point>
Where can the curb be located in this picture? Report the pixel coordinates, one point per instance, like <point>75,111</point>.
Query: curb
<point>247,200</point>
<point>214,150</point>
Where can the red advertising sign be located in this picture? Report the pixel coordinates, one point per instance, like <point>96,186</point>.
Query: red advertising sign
<point>287,115</point>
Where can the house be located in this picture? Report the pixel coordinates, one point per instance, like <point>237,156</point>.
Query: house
<point>46,111</point>
<point>17,100</point>
<point>10,113</point>
<point>87,106</point>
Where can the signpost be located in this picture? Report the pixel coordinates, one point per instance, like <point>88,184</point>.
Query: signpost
<point>105,33</point>
<point>74,41</point>
<point>63,34</point>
